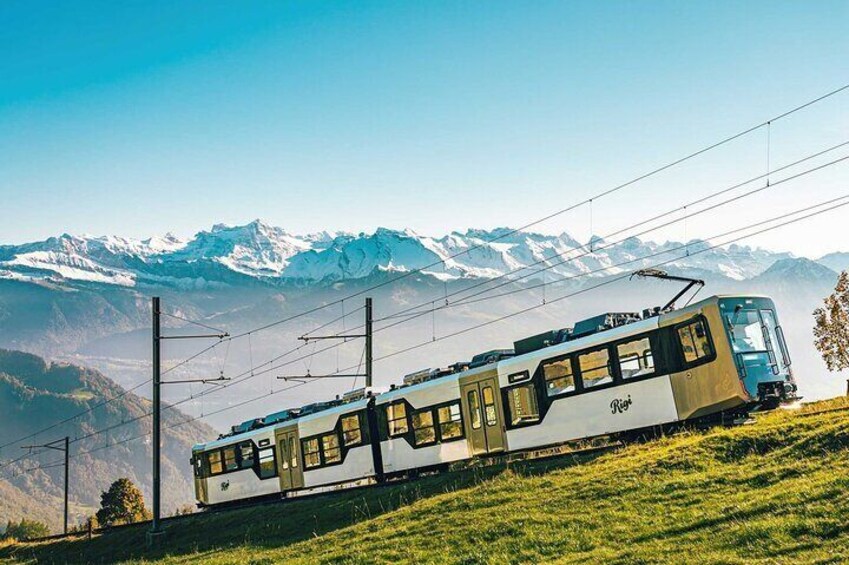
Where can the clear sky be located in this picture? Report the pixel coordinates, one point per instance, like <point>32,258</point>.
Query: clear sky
<point>138,118</point>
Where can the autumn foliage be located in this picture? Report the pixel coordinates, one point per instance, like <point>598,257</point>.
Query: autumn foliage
<point>831,332</point>
<point>123,503</point>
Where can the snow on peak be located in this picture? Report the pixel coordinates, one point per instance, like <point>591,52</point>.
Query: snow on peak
<point>255,249</point>
<point>163,244</point>
<point>263,251</point>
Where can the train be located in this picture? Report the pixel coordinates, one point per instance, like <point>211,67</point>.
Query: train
<point>611,374</point>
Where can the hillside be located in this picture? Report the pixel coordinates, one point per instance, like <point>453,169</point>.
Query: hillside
<point>34,395</point>
<point>774,491</point>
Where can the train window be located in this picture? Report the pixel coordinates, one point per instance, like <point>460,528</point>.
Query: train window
<point>284,457</point>
<point>423,427</point>
<point>396,415</point>
<point>635,358</point>
<point>475,409</point>
<point>312,458</point>
<point>558,377</point>
<point>776,334</point>
<point>230,463</point>
<point>595,368</point>
<point>523,404</point>
<point>293,452</point>
<point>450,421</point>
<point>197,463</point>
<point>351,433</point>
<point>246,455</point>
<point>694,341</point>
<point>215,466</point>
<point>489,406</point>
<point>267,463</point>
<point>330,445</point>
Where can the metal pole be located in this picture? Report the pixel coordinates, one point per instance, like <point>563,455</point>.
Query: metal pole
<point>64,448</point>
<point>66,483</point>
<point>155,527</point>
<point>368,343</point>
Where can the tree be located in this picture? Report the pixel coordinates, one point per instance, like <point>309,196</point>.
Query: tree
<point>26,530</point>
<point>831,332</point>
<point>123,503</point>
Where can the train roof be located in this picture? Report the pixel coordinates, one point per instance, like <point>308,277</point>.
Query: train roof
<point>231,439</point>
<point>338,409</point>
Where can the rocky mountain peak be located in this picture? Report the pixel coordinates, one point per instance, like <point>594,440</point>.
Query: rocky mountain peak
<point>266,253</point>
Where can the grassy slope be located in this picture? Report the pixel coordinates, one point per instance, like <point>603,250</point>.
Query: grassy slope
<point>775,491</point>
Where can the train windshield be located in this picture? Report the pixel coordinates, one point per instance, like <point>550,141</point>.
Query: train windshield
<point>757,340</point>
<point>744,326</point>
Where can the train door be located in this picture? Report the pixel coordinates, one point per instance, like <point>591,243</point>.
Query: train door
<point>483,413</point>
<point>289,462</point>
<point>201,492</point>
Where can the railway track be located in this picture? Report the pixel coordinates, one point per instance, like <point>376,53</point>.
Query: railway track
<point>533,455</point>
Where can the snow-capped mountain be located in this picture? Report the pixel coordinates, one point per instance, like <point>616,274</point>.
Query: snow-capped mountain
<point>260,252</point>
<point>255,249</point>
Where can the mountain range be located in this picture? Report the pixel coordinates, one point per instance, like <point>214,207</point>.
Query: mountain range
<point>258,253</point>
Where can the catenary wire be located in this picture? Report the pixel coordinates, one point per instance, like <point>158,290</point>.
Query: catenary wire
<point>528,225</point>
<point>512,314</point>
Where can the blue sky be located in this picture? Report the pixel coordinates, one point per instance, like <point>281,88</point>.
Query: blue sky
<point>138,118</point>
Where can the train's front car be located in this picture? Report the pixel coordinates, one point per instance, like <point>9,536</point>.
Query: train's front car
<point>759,349</point>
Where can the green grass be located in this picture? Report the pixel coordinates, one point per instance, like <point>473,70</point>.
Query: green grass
<point>771,492</point>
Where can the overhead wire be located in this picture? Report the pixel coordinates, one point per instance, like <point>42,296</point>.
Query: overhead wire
<point>627,275</point>
<point>464,301</point>
<point>193,322</point>
<point>513,231</point>
<point>606,282</point>
<point>507,233</point>
<point>686,244</point>
<point>831,204</point>
<point>469,300</point>
<point>410,311</point>
<point>443,260</point>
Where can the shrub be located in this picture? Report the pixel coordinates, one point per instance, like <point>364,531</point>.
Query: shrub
<point>26,530</point>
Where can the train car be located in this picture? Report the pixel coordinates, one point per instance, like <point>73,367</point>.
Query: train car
<point>610,374</point>
<point>236,467</point>
<point>723,354</point>
<point>422,426</point>
<point>316,446</point>
<point>335,447</point>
